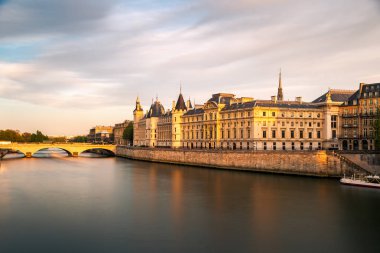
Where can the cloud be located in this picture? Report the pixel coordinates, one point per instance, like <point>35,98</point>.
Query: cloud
<point>92,54</point>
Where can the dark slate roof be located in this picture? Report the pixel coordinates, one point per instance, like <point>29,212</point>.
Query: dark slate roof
<point>352,98</point>
<point>237,106</point>
<point>372,87</point>
<point>286,104</point>
<point>222,98</point>
<point>336,96</point>
<point>194,112</point>
<point>156,110</point>
<point>181,105</point>
<point>190,105</point>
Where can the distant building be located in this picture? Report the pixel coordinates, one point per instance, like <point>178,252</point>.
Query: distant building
<point>118,131</point>
<point>101,134</point>
<point>359,114</point>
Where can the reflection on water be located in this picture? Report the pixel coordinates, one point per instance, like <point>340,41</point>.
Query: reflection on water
<point>115,205</point>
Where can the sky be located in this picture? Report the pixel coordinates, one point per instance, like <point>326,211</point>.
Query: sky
<point>66,66</point>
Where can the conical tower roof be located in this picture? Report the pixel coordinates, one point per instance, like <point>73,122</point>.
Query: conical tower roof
<point>180,105</point>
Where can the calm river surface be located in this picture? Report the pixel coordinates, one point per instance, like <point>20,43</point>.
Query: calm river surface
<point>116,205</point>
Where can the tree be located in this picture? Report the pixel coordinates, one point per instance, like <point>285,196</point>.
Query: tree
<point>128,133</point>
<point>376,127</point>
<point>38,137</point>
<point>79,138</point>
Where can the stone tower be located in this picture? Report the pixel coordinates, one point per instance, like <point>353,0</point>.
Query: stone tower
<point>138,113</point>
<point>178,110</point>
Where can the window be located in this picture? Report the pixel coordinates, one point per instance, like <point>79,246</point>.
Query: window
<point>264,114</point>
<point>293,147</point>
<point>242,133</point>
<point>319,145</point>
<point>301,134</point>
<point>301,146</point>
<point>310,146</point>
<point>310,135</point>
<point>273,133</point>
<point>274,146</point>
<point>318,134</point>
<point>333,134</point>
<point>283,146</point>
<point>265,145</point>
<point>264,134</point>
<point>273,114</point>
<point>292,134</point>
<point>282,133</point>
<point>333,121</point>
<point>249,133</point>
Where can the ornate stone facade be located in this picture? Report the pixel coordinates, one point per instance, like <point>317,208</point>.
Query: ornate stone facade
<point>228,122</point>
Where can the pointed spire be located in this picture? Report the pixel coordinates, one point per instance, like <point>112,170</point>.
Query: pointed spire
<point>280,95</point>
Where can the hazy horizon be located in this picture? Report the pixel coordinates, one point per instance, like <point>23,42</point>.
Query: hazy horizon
<point>66,66</point>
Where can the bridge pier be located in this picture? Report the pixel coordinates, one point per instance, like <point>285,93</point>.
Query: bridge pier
<point>75,154</point>
<point>28,154</point>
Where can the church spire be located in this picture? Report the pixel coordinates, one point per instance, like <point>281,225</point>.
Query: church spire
<point>280,95</point>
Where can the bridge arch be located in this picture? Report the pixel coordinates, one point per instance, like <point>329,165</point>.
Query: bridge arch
<point>102,151</point>
<point>45,148</point>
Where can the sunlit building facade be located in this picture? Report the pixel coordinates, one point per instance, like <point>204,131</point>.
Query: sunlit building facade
<point>359,115</point>
<point>229,122</point>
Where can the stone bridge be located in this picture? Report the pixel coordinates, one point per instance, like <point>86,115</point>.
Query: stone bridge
<point>73,149</point>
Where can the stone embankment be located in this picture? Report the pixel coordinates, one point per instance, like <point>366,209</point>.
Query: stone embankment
<point>311,163</point>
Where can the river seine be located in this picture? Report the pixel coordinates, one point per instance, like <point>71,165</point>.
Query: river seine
<point>85,204</point>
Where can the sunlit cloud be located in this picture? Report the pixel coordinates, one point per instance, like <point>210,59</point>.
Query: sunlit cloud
<point>88,55</point>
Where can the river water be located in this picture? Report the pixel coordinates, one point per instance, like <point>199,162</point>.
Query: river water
<point>85,204</point>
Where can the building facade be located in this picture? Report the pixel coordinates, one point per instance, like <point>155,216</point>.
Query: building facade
<point>100,134</point>
<point>228,122</point>
<point>118,131</point>
<point>359,116</point>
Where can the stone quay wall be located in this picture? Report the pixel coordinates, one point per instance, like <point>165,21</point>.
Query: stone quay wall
<point>310,163</point>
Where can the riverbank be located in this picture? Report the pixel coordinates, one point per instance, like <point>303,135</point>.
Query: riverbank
<point>320,163</point>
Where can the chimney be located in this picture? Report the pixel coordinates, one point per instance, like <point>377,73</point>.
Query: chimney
<point>274,99</point>
<point>299,100</point>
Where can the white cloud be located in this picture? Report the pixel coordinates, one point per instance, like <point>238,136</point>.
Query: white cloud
<point>115,50</point>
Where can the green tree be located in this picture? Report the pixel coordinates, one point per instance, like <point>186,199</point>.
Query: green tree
<point>128,133</point>
<point>79,138</point>
<point>38,137</point>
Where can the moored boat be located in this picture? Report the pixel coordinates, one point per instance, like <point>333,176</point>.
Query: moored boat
<point>367,181</point>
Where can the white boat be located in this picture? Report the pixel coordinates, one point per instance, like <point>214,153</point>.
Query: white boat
<point>367,181</point>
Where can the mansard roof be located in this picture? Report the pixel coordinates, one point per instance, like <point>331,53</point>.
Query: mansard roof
<point>352,98</point>
<point>156,110</point>
<point>194,111</point>
<point>286,104</point>
<point>237,106</point>
<point>181,105</point>
<point>371,87</point>
<point>222,98</point>
<point>336,96</point>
